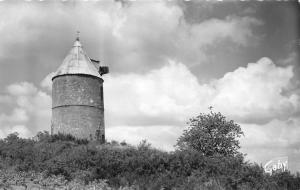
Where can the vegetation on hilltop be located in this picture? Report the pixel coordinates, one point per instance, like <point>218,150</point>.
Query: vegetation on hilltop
<point>206,157</point>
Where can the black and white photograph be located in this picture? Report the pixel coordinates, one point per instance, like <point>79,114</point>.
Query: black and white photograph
<point>150,94</point>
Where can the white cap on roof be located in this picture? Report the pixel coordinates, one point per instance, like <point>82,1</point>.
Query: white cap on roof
<point>77,62</point>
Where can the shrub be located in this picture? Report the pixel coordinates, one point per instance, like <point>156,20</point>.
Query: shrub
<point>70,162</point>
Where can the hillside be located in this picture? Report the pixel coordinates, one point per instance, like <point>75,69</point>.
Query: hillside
<point>63,161</point>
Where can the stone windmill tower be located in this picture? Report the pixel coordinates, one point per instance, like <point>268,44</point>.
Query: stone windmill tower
<point>77,96</point>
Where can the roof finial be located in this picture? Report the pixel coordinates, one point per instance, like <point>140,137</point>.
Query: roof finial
<point>78,34</point>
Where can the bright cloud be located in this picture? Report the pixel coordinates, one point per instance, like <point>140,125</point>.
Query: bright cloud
<point>31,110</point>
<point>252,94</point>
<point>135,37</point>
<point>276,134</point>
<point>169,94</point>
<point>255,94</point>
<point>146,34</point>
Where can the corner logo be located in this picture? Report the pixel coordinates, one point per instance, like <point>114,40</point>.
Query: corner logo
<point>279,164</point>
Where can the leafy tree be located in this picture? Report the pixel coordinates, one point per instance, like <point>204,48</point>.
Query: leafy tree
<point>211,134</point>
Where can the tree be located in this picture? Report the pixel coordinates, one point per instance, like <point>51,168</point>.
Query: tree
<point>211,134</point>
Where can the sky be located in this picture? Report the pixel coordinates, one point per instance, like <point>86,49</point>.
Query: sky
<point>169,61</point>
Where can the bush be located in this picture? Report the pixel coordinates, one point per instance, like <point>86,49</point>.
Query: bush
<point>79,163</point>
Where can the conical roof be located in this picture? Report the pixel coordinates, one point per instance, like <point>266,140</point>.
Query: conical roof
<point>77,62</point>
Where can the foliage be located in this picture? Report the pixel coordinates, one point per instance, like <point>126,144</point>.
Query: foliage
<point>30,180</point>
<point>45,136</point>
<point>62,161</point>
<point>211,134</point>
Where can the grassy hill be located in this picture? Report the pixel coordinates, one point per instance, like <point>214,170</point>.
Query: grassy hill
<point>63,161</point>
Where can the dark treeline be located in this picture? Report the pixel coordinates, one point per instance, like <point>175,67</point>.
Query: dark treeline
<point>143,167</point>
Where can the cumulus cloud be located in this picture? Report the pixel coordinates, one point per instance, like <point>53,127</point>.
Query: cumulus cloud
<point>251,94</point>
<point>31,110</point>
<point>166,95</point>
<point>18,115</point>
<point>173,37</point>
<point>277,134</point>
<point>172,94</point>
<point>21,89</point>
<point>254,94</point>
<point>136,37</point>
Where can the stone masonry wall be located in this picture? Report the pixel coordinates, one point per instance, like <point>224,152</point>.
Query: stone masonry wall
<point>77,106</point>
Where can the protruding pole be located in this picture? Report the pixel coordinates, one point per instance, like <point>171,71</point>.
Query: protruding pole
<point>78,34</point>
